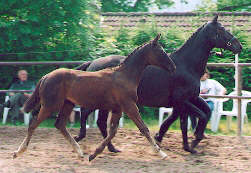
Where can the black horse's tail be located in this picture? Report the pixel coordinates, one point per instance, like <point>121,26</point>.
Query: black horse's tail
<point>83,66</point>
<point>34,99</point>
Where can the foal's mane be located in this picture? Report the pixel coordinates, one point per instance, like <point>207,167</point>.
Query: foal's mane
<point>135,51</point>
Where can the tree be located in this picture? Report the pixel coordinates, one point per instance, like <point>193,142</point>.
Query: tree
<point>44,31</point>
<point>133,6</point>
<point>225,5</point>
<point>234,5</point>
<point>29,26</point>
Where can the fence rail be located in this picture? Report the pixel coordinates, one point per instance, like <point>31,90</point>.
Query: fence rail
<point>80,62</point>
<point>202,95</point>
<point>42,63</point>
<point>238,67</point>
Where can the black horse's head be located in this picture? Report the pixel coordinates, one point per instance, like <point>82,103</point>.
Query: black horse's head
<point>219,37</point>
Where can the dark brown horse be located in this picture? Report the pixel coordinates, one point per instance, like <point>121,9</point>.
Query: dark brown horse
<point>111,89</point>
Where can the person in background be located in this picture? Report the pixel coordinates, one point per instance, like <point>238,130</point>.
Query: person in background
<point>211,87</point>
<point>17,100</point>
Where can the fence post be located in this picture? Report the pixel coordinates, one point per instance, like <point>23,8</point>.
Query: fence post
<point>238,88</point>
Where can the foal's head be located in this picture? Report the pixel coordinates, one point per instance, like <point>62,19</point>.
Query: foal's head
<point>157,56</point>
<point>221,38</point>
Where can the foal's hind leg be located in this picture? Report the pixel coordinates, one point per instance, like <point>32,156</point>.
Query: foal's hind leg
<point>113,130</point>
<point>43,114</point>
<point>133,113</point>
<point>61,123</point>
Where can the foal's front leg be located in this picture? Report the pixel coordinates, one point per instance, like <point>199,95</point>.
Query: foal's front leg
<point>112,131</point>
<point>133,113</point>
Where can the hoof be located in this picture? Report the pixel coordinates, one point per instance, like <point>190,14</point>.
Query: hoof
<point>77,139</point>
<point>195,143</point>
<point>81,135</point>
<point>157,139</point>
<point>91,157</point>
<point>111,148</point>
<point>14,155</point>
<point>192,151</point>
<point>162,154</point>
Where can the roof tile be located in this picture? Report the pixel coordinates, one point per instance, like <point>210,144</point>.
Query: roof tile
<point>183,20</point>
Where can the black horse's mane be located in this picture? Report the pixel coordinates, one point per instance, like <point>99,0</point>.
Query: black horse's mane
<point>187,43</point>
<point>190,39</point>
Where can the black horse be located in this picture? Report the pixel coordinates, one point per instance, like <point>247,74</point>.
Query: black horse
<point>180,90</point>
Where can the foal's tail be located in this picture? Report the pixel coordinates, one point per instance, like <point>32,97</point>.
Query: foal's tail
<point>83,66</point>
<point>34,99</point>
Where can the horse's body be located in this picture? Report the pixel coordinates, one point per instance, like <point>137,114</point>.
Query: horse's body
<point>158,88</point>
<point>111,89</point>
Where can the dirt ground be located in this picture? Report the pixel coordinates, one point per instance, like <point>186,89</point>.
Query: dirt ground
<point>50,152</point>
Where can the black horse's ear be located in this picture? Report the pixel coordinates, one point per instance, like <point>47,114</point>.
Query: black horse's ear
<point>156,38</point>
<point>215,19</point>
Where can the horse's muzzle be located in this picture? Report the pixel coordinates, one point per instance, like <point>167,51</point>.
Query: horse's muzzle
<point>236,46</point>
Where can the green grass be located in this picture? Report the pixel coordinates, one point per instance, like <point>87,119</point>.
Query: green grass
<point>152,123</point>
<point>223,130</point>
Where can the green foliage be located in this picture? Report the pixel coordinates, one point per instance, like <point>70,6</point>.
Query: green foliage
<point>122,38</point>
<point>207,5</point>
<point>234,5</point>
<point>45,31</point>
<point>104,45</point>
<point>133,6</point>
<point>41,25</point>
<point>225,5</point>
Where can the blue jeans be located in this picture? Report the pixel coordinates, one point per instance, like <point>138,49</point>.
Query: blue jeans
<point>211,105</point>
<point>193,118</point>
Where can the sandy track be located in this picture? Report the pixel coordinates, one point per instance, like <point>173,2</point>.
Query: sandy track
<point>50,152</point>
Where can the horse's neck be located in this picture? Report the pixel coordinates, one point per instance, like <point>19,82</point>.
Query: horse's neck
<point>194,56</point>
<point>133,67</point>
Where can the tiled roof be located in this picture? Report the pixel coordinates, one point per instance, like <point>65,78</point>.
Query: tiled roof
<point>187,20</point>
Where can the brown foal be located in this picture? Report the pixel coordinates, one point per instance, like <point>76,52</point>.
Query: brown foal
<point>113,89</point>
